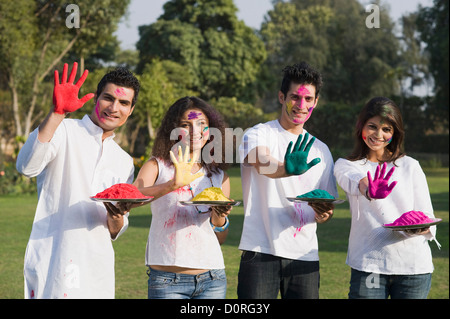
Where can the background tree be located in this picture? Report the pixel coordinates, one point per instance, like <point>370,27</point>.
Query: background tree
<point>222,54</point>
<point>433,26</point>
<point>356,62</point>
<point>34,38</point>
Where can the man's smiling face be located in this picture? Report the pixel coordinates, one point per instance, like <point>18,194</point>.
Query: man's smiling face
<point>113,107</point>
<point>299,102</point>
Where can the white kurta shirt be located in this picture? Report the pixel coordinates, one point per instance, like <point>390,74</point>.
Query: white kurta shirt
<point>274,225</point>
<point>373,248</point>
<point>69,253</point>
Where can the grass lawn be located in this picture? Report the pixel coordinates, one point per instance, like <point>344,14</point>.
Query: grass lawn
<point>17,213</point>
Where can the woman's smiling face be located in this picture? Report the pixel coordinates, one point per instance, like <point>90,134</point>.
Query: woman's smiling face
<point>377,133</point>
<point>195,125</point>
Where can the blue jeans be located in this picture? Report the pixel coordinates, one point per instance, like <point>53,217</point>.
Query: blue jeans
<point>168,285</point>
<point>263,276</point>
<point>364,285</point>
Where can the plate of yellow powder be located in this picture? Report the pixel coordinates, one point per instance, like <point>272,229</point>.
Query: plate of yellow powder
<point>212,196</point>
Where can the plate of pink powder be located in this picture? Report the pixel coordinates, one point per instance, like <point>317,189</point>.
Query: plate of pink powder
<point>121,192</point>
<point>412,220</point>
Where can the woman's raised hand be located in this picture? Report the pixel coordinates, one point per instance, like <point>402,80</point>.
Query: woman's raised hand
<point>378,187</point>
<point>183,167</point>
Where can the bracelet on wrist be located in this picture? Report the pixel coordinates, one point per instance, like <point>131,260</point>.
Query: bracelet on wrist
<point>222,228</point>
<point>367,195</point>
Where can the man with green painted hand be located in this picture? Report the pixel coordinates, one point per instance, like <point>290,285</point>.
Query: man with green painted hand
<point>281,160</point>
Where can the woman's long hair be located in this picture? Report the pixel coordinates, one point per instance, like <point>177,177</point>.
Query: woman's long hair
<point>389,112</point>
<point>163,144</point>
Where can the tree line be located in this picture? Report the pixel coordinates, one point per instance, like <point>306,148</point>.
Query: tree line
<point>200,47</point>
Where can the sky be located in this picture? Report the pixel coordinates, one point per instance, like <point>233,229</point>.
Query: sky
<point>252,12</point>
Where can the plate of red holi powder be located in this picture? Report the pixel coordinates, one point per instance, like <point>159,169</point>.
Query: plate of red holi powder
<point>210,203</point>
<point>315,200</point>
<point>412,220</point>
<point>121,192</point>
<point>128,200</point>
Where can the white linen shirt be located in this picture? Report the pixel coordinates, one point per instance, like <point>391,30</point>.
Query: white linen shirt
<point>69,253</point>
<point>373,248</point>
<point>272,224</point>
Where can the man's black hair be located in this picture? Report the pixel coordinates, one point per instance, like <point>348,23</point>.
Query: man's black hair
<point>122,77</point>
<point>301,73</point>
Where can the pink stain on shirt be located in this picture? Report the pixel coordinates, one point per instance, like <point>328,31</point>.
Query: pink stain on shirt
<point>299,218</point>
<point>182,190</point>
<point>170,222</point>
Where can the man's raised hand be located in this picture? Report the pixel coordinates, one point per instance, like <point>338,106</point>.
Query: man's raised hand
<point>65,94</point>
<point>296,161</point>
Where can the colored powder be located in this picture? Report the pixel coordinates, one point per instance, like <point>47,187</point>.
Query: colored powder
<point>317,193</point>
<point>411,218</point>
<point>120,92</point>
<point>193,115</point>
<point>211,193</point>
<point>121,190</point>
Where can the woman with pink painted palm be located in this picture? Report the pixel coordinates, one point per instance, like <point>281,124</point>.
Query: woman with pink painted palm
<point>384,262</point>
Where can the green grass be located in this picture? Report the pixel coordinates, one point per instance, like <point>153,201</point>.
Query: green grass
<point>17,213</point>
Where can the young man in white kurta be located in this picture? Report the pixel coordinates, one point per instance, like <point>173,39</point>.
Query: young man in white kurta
<point>69,253</point>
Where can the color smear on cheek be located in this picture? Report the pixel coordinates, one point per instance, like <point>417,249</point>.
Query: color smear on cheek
<point>389,140</point>
<point>289,106</point>
<point>205,132</point>
<point>97,112</point>
<point>193,115</point>
<point>120,92</point>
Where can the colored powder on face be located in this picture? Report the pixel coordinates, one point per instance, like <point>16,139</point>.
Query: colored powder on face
<point>411,218</point>
<point>302,91</point>
<point>205,132</point>
<point>193,115</point>
<point>120,92</point>
<point>317,193</point>
<point>298,121</point>
<point>97,112</point>
<point>121,190</point>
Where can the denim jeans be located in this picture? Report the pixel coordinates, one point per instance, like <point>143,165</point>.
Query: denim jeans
<point>364,285</point>
<point>168,285</point>
<point>263,276</point>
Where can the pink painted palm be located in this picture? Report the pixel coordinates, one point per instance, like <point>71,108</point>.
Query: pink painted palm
<point>379,187</point>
